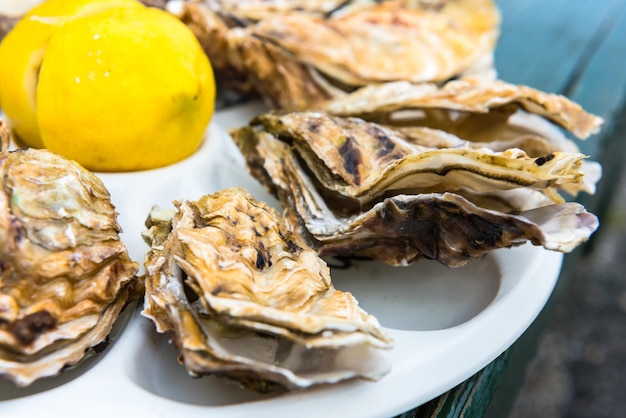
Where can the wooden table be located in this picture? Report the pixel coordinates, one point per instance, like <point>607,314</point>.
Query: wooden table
<point>576,48</point>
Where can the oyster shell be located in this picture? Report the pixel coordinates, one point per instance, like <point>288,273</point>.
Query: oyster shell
<point>357,188</point>
<point>363,161</point>
<point>299,61</point>
<point>246,299</point>
<point>457,106</point>
<point>211,21</point>
<point>65,276</point>
<point>478,113</point>
<point>298,54</point>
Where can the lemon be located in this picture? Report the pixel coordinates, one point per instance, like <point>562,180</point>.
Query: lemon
<point>121,89</point>
<point>21,54</point>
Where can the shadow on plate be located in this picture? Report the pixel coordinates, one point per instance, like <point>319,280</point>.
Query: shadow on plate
<point>424,296</point>
<point>155,369</point>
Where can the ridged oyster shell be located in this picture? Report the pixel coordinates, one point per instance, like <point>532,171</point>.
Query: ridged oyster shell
<point>246,299</point>
<point>300,61</point>
<point>456,104</point>
<point>358,188</point>
<point>297,55</point>
<point>211,21</point>
<point>478,113</point>
<point>65,275</point>
<point>363,160</point>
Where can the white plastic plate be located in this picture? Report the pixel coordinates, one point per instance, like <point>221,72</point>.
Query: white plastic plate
<point>447,323</point>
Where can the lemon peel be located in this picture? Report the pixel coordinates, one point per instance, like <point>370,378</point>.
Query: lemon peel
<point>116,89</point>
<point>22,52</point>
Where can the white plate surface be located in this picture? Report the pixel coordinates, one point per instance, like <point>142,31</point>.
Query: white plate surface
<point>447,324</point>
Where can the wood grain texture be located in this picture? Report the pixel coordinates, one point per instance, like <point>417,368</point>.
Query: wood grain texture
<point>576,48</point>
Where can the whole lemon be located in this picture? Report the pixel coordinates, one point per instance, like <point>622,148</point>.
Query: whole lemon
<point>123,89</point>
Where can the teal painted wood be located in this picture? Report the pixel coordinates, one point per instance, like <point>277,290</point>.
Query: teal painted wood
<point>539,46</point>
<point>461,401</point>
<point>601,82</point>
<point>576,48</point>
<point>601,87</point>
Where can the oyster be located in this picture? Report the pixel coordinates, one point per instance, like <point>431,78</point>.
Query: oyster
<point>297,54</point>
<point>246,299</point>
<point>357,188</point>
<point>299,61</point>
<point>65,275</point>
<point>211,21</point>
<point>363,161</point>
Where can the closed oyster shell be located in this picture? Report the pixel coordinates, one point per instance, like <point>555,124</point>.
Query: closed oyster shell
<point>357,188</point>
<point>300,61</point>
<point>211,21</point>
<point>65,274</point>
<point>298,55</point>
<point>445,227</point>
<point>246,299</point>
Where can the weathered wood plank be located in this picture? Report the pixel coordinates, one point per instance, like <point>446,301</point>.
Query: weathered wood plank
<point>601,84</point>
<point>462,401</point>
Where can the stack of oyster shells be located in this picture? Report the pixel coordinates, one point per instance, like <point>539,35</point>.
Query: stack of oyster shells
<point>245,298</point>
<point>298,55</point>
<point>65,276</point>
<point>444,173</point>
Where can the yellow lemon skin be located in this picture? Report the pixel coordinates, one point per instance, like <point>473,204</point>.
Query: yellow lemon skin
<point>21,54</point>
<point>127,89</point>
